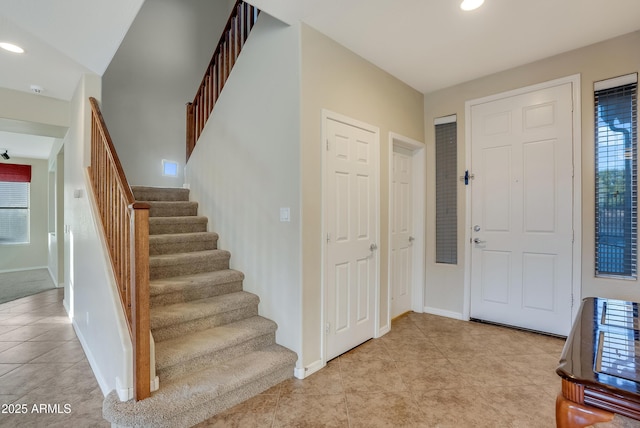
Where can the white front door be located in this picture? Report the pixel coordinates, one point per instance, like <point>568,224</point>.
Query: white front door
<point>401,231</point>
<point>351,223</point>
<point>522,210</point>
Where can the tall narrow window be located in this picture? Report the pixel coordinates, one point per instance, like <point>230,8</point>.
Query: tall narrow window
<point>14,203</point>
<point>616,176</point>
<point>446,190</point>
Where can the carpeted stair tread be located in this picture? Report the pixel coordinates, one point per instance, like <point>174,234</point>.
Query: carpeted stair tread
<point>168,265</point>
<point>177,224</point>
<point>209,341</point>
<point>180,289</point>
<point>194,398</point>
<point>172,208</point>
<point>170,315</point>
<point>182,242</point>
<point>147,193</point>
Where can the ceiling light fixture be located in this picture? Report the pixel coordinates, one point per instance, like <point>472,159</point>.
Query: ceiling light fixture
<point>471,4</point>
<point>11,47</point>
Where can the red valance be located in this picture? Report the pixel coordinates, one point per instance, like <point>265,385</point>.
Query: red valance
<point>15,173</point>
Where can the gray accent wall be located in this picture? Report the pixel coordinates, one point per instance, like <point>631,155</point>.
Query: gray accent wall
<point>154,73</point>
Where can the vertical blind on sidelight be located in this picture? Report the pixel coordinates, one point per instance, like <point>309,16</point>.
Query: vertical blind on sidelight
<point>446,190</point>
<point>616,161</point>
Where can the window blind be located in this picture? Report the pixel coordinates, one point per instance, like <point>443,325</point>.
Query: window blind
<point>616,159</point>
<point>446,190</point>
<point>14,212</point>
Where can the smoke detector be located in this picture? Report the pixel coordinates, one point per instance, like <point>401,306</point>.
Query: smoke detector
<point>37,89</point>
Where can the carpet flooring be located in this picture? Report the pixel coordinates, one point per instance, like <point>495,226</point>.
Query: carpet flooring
<point>14,285</point>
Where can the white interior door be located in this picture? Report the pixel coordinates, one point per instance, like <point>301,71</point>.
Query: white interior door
<point>522,210</point>
<point>401,231</point>
<point>351,224</point>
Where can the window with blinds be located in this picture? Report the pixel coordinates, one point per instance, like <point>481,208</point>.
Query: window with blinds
<point>446,190</point>
<point>616,161</point>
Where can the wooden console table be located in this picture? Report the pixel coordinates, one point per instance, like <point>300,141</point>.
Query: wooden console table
<point>600,365</point>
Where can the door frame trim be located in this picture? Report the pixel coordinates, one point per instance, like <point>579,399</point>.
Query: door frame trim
<point>331,115</point>
<point>577,185</point>
<point>419,192</point>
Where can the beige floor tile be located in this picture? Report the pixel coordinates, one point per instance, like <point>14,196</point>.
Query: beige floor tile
<point>325,381</point>
<point>303,410</point>
<point>6,345</point>
<point>418,348</point>
<point>530,406</point>
<point>371,376</point>
<point>382,409</point>
<point>27,351</point>
<point>30,376</point>
<point>258,411</point>
<point>460,408</point>
<point>23,333</point>
<point>56,332</point>
<point>373,349</point>
<point>68,352</point>
<point>6,368</point>
<point>430,375</point>
<point>539,369</point>
<point>488,371</point>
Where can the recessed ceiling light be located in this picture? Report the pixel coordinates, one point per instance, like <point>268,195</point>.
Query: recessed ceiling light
<point>11,47</point>
<point>471,4</point>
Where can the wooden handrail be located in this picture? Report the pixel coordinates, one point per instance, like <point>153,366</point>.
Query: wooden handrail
<point>243,18</point>
<point>125,224</point>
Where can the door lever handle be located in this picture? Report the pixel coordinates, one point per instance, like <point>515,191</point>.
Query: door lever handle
<point>478,241</point>
<point>373,247</point>
<point>411,239</point>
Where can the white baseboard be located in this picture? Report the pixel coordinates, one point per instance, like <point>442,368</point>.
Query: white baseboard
<point>302,372</point>
<point>25,269</point>
<point>384,330</point>
<point>104,386</point>
<point>444,313</point>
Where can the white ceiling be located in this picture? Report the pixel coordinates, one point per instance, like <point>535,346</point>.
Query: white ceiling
<point>433,44</point>
<point>429,44</point>
<point>63,39</point>
<point>25,146</point>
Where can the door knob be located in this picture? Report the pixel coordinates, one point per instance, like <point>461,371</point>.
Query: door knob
<point>476,228</point>
<point>373,247</point>
<point>478,241</point>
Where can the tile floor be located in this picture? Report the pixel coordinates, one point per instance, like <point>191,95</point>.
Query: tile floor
<point>427,372</point>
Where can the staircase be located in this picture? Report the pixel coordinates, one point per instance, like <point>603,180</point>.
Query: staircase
<point>212,349</point>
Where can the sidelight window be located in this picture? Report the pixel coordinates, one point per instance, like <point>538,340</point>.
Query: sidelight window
<point>616,161</point>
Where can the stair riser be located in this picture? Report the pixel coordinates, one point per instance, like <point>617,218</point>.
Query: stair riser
<point>150,194</point>
<point>182,247</point>
<point>167,228</point>
<point>186,367</point>
<point>226,401</point>
<point>178,209</point>
<point>195,293</point>
<point>179,269</point>
<point>176,330</point>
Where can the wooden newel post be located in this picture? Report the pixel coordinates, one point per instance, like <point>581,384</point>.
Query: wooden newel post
<point>191,143</point>
<point>140,300</point>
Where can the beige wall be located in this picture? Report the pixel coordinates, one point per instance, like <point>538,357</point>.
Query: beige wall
<point>445,284</point>
<point>34,254</point>
<point>336,79</point>
<point>33,114</point>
